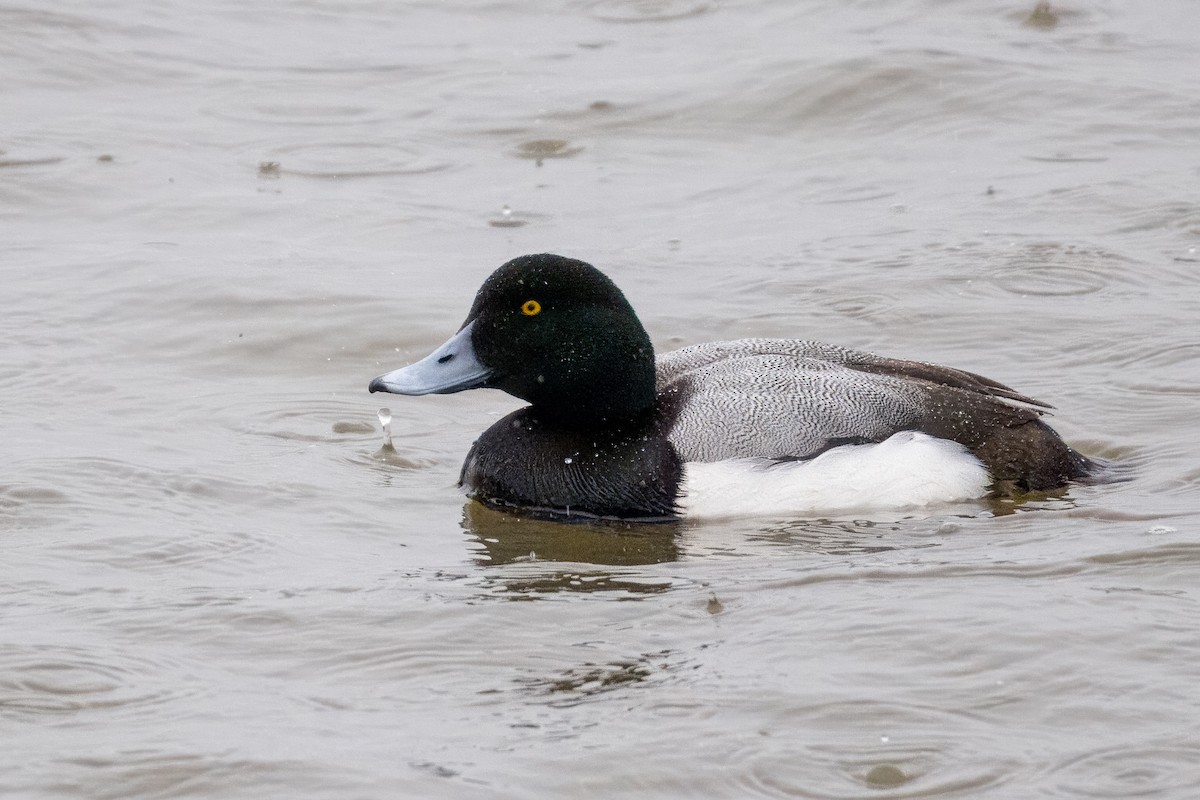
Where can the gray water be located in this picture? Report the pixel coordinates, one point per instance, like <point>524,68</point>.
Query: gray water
<point>219,220</point>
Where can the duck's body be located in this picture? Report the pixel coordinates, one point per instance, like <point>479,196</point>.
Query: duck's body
<point>610,432</point>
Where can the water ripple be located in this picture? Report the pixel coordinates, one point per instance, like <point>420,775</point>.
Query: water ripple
<point>153,774</point>
<point>1173,553</point>
<point>1047,269</point>
<point>1169,769</point>
<point>647,10</point>
<point>228,549</point>
<point>352,159</point>
<point>57,680</point>
<point>285,103</point>
<point>904,750</point>
<point>29,506</point>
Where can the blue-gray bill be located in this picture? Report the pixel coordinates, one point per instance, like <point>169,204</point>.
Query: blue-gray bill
<point>453,367</point>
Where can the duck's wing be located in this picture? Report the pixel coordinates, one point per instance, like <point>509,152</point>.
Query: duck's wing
<point>678,362</point>
<point>940,376</point>
<point>786,398</point>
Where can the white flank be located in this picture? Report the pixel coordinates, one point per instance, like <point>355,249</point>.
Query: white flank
<point>908,470</point>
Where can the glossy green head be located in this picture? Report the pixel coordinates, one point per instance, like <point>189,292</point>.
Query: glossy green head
<point>558,333</point>
<point>550,330</point>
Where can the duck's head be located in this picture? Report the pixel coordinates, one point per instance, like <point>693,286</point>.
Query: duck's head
<point>550,330</point>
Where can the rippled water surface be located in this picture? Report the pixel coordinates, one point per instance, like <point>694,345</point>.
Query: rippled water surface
<point>220,220</point>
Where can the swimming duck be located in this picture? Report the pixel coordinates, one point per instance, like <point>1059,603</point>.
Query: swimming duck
<point>746,426</point>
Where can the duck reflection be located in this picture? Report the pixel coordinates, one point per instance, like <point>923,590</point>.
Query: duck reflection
<point>508,538</point>
<point>547,556</point>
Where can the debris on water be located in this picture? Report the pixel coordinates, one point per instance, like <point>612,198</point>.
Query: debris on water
<point>886,776</point>
<point>714,606</point>
<point>29,162</point>
<point>540,149</point>
<point>1042,16</point>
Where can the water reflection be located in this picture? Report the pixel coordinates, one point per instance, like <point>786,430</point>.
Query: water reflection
<point>578,684</point>
<point>845,537</point>
<point>541,556</point>
<point>878,533</point>
<point>510,538</point>
<point>542,548</point>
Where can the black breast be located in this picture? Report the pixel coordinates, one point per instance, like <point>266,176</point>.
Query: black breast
<point>626,471</point>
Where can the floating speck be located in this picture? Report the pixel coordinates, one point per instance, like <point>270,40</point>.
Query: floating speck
<point>714,606</point>
<point>539,150</point>
<point>1042,16</point>
<point>507,220</point>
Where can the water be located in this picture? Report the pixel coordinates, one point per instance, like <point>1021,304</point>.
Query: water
<point>221,221</point>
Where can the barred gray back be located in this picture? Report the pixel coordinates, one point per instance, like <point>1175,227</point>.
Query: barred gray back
<point>780,398</point>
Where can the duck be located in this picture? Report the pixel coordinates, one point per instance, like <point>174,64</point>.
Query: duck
<point>751,426</point>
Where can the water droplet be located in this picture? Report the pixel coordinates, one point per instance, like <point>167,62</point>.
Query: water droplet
<point>385,419</point>
<point>567,460</point>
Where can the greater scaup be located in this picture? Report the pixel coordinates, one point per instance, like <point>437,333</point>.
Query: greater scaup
<point>612,432</point>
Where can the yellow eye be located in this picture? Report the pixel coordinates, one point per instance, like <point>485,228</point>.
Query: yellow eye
<point>531,308</point>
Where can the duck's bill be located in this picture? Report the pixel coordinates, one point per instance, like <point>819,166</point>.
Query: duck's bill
<point>453,367</point>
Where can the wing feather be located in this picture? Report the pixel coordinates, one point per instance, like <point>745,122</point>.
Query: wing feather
<point>789,398</point>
